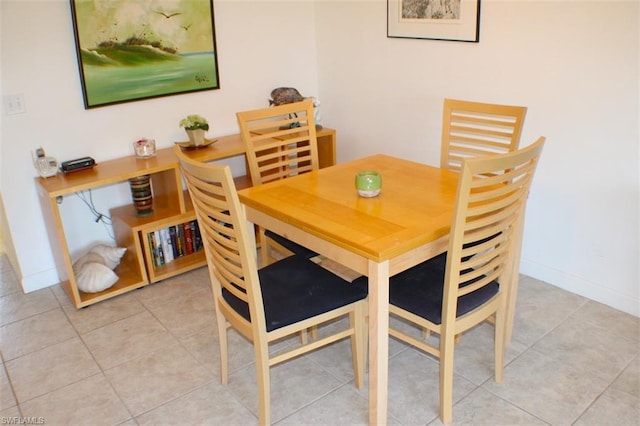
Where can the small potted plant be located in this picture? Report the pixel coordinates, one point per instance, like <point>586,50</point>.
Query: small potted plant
<point>195,126</point>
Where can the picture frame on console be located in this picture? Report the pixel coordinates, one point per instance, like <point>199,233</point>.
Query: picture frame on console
<point>453,20</point>
<point>129,51</point>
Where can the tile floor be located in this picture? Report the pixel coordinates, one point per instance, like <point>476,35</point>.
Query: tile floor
<point>150,357</point>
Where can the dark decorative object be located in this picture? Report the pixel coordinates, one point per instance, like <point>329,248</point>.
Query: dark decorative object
<point>454,20</point>
<point>285,95</point>
<point>289,95</point>
<point>130,51</point>
<point>141,194</point>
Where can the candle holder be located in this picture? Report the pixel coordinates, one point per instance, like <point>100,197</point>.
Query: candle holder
<point>145,148</point>
<point>368,183</point>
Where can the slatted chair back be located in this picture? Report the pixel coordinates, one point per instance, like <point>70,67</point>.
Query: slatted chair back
<point>475,129</point>
<point>279,141</point>
<point>226,241</point>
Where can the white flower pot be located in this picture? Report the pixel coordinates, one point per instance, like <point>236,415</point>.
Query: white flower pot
<point>196,137</point>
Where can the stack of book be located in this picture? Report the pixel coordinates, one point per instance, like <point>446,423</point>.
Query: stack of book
<point>174,242</point>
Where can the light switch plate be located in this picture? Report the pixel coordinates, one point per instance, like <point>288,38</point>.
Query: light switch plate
<point>14,104</point>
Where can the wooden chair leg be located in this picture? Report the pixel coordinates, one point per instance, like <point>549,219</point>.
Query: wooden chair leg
<point>426,333</point>
<point>358,345</point>
<point>447,345</point>
<point>500,338</point>
<point>264,252</point>
<point>264,384</point>
<point>513,279</point>
<point>222,342</point>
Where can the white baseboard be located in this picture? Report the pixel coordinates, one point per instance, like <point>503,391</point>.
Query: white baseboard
<point>40,280</point>
<point>581,286</point>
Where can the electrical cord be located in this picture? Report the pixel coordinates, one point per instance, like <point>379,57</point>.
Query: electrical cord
<point>99,217</point>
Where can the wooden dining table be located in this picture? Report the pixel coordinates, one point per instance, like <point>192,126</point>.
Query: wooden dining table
<point>407,223</point>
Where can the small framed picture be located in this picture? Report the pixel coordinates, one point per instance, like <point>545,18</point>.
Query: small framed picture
<point>134,50</point>
<point>454,20</point>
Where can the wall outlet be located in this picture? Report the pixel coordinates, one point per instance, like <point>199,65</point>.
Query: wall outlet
<point>14,104</point>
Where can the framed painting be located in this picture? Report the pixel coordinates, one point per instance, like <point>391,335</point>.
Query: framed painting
<point>455,20</point>
<point>133,50</point>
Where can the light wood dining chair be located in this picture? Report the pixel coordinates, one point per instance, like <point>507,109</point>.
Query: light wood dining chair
<point>279,142</point>
<point>272,303</point>
<point>469,283</point>
<point>475,129</point>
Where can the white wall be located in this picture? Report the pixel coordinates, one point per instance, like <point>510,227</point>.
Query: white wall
<point>574,64</point>
<point>261,45</point>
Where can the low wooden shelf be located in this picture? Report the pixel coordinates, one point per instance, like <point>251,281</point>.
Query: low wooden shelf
<point>171,206</point>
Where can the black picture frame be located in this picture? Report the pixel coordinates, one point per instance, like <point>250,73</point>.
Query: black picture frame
<point>453,20</point>
<point>132,50</point>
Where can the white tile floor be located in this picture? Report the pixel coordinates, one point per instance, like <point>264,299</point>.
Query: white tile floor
<point>150,357</point>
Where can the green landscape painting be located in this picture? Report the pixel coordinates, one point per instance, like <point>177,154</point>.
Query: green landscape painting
<point>139,49</point>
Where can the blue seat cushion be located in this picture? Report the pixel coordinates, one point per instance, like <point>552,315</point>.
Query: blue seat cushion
<point>294,289</point>
<point>420,289</point>
<point>293,247</point>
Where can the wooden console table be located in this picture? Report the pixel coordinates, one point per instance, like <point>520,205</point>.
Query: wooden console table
<point>171,206</point>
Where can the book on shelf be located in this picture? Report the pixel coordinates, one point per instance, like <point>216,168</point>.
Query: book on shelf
<point>197,241</point>
<point>196,237</point>
<point>173,242</point>
<point>166,245</point>
<point>153,250</point>
<point>180,239</point>
<point>188,238</point>
<point>158,252</point>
